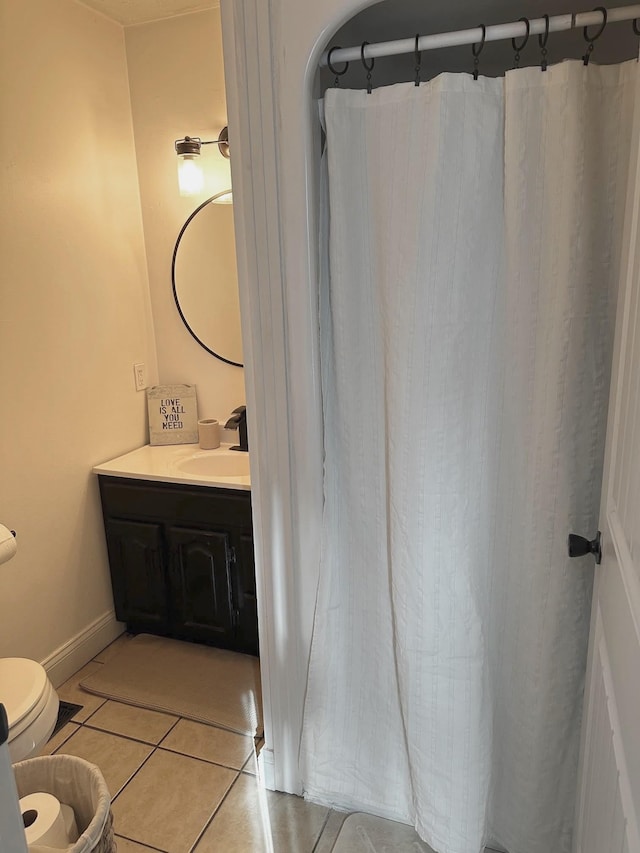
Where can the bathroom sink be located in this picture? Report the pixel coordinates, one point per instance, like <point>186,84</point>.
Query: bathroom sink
<point>183,463</point>
<point>212,463</point>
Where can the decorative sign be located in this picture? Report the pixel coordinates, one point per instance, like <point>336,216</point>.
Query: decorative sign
<point>173,414</point>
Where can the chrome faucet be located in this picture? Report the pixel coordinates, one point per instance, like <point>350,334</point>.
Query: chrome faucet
<point>238,420</point>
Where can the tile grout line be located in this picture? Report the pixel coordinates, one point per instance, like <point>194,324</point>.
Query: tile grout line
<point>206,760</point>
<point>238,773</point>
<point>120,735</point>
<point>249,757</point>
<point>162,739</point>
<point>324,826</point>
<point>215,812</point>
<point>76,726</point>
<point>95,728</point>
<point>135,772</point>
<point>216,809</point>
<point>159,744</point>
<point>126,783</point>
<point>95,710</point>
<point>179,718</point>
<point>142,844</point>
<point>133,776</point>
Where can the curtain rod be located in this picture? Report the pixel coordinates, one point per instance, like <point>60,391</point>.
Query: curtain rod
<point>497,32</point>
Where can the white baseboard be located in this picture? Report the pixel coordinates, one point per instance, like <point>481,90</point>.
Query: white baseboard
<point>72,655</point>
<point>267,769</point>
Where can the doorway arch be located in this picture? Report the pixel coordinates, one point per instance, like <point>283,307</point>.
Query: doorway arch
<point>271,60</point>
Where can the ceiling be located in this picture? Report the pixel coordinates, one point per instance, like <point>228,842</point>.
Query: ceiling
<point>129,12</point>
<point>388,17</point>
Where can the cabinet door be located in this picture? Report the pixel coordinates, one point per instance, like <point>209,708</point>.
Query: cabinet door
<point>246,596</point>
<point>138,574</point>
<point>200,586</point>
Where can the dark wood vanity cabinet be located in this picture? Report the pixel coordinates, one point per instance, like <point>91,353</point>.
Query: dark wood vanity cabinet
<point>181,560</point>
<point>202,579</point>
<point>136,560</point>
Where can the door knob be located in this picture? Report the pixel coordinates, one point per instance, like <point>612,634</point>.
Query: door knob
<point>579,546</point>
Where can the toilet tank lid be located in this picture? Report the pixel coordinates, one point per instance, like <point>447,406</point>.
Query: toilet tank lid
<point>22,683</point>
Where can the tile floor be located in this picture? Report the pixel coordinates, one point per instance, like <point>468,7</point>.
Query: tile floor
<point>180,786</point>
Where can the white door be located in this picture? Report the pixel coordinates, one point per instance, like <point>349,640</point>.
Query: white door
<point>608,807</point>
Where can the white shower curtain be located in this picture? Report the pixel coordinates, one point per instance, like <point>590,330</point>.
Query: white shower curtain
<point>466,338</point>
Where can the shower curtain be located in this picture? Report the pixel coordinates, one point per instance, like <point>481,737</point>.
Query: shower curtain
<point>466,331</point>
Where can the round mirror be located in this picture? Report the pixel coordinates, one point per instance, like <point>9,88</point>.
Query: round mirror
<point>205,280</point>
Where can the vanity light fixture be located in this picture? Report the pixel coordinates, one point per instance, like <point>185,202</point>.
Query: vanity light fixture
<point>190,174</point>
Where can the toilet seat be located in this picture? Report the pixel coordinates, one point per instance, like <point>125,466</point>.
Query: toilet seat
<point>31,704</point>
<point>22,685</point>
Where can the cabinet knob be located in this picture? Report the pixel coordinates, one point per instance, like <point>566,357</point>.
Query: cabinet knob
<point>579,546</point>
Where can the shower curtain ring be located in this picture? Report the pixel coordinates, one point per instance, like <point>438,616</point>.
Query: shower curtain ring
<point>542,41</point>
<point>596,36</point>
<point>476,49</point>
<point>369,68</point>
<point>418,57</point>
<point>520,47</point>
<point>334,70</point>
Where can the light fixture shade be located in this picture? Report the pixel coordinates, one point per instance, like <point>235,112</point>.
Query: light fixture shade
<point>193,179</point>
<point>188,145</point>
<point>190,175</point>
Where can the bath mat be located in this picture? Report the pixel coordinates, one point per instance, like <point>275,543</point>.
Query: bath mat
<point>364,833</point>
<point>209,685</point>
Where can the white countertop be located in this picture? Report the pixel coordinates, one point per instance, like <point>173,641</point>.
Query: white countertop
<point>162,463</point>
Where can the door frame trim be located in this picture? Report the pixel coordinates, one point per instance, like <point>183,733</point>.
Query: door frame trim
<point>271,51</point>
<point>252,128</point>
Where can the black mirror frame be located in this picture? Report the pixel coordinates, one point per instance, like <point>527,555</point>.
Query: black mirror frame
<point>175,291</point>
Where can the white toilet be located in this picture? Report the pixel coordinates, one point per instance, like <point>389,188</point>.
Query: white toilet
<point>31,703</point>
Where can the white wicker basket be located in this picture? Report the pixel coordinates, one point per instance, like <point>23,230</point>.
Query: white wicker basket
<point>80,785</point>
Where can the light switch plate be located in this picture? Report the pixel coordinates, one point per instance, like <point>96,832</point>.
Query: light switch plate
<point>140,376</point>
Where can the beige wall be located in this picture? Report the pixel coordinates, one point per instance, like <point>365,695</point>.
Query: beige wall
<point>74,311</point>
<point>176,80</point>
